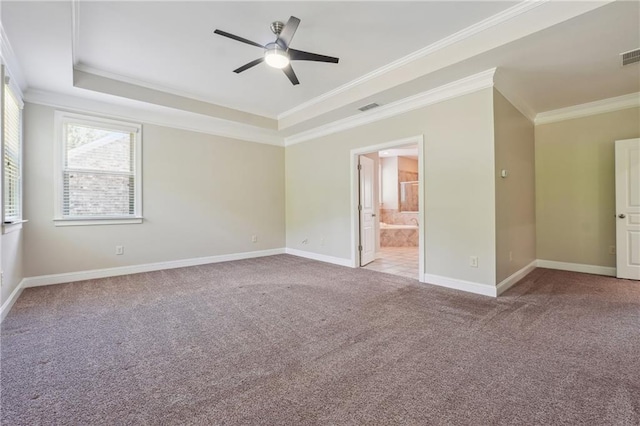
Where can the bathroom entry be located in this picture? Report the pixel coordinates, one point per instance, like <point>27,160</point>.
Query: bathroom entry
<point>389,210</point>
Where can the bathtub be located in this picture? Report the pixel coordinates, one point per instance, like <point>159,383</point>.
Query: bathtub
<point>392,235</point>
<point>394,226</point>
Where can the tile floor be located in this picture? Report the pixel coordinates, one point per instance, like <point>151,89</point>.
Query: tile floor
<point>397,261</point>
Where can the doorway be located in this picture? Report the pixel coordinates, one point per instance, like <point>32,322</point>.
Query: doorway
<point>388,208</point>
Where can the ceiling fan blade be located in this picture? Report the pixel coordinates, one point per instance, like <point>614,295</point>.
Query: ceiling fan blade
<point>292,75</point>
<point>249,65</point>
<point>288,31</point>
<point>299,55</point>
<point>237,38</point>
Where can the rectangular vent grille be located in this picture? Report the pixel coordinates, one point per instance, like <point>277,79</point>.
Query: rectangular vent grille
<point>631,57</point>
<point>368,107</point>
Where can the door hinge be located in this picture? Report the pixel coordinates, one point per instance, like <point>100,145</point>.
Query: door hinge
<point>359,248</point>
<point>359,166</point>
<point>359,207</point>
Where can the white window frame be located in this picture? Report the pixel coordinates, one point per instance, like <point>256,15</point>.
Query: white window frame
<point>61,119</point>
<point>11,224</point>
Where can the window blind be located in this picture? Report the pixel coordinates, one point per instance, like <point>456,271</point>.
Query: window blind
<point>12,156</point>
<point>99,176</point>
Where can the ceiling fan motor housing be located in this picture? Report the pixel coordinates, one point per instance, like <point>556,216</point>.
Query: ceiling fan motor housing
<point>277,27</point>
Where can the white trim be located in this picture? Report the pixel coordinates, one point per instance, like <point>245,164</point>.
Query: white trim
<point>8,304</point>
<point>96,221</point>
<point>441,44</point>
<point>632,100</point>
<point>148,267</point>
<point>157,115</point>
<point>75,31</point>
<point>508,282</point>
<point>464,86</point>
<point>319,257</point>
<point>577,267</point>
<point>13,226</point>
<point>355,219</point>
<point>60,138</point>
<point>468,286</point>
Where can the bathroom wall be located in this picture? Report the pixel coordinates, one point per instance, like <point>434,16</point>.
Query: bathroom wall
<point>394,171</point>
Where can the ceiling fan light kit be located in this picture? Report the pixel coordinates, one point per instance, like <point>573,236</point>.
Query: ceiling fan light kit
<point>275,56</point>
<point>278,54</point>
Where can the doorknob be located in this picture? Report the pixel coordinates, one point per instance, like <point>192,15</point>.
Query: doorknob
<point>622,216</point>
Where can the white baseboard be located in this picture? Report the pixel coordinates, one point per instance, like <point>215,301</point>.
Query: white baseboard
<point>468,286</point>
<point>507,283</point>
<point>8,304</point>
<point>148,267</point>
<point>321,257</point>
<point>577,267</point>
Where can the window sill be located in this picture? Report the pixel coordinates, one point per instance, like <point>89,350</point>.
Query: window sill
<point>12,226</point>
<point>97,221</point>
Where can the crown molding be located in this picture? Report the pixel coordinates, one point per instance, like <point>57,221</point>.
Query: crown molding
<point>75,31</point>
<point>10,61</point>
<point>157,115</point>
<point>451,90</point>
<point>441,44</point>
<point>631,100</point>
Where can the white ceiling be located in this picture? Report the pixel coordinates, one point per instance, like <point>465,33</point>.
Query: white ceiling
<point>172,45</point>
<point>569,59</point>
<point>410,151</point>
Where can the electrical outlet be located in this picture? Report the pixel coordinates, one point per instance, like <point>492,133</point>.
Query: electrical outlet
<point>473,261</point>
<point>119,250</point>
<point>254,238</point>
<point>612,249</point>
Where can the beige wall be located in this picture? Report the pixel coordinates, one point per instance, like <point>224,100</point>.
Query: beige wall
<point>575,186</point>
<point>515,194</point>
<point>459,185</point>
<point>389,182</point>
<point>408,164</point>
<point>12,270</point>
<point>203,195</point>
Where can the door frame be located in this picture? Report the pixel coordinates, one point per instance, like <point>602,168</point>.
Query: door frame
<point>355,194</point>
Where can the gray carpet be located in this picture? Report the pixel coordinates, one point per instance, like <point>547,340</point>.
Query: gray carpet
<point>285,340</point>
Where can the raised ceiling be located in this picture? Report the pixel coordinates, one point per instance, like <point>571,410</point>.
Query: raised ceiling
<point>163,56</point>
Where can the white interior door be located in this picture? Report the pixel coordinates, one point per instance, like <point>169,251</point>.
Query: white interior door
<point>628,209</point>
<point>367,211</point>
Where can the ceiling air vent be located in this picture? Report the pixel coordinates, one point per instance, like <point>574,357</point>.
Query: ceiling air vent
<point>368,107</point>
<point>630,57</point>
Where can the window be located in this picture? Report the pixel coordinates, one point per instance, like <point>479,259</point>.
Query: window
<point>12,157</point>
<point>98,173</point>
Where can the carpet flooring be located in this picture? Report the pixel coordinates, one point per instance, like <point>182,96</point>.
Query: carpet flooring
<point>283,340</point>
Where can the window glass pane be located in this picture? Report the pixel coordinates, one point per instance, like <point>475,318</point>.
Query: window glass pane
<point>90,148</point>
<point>12,156</point>
<point>91,194</point>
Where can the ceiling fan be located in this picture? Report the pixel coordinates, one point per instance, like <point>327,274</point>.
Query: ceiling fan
<point>278,54</point>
